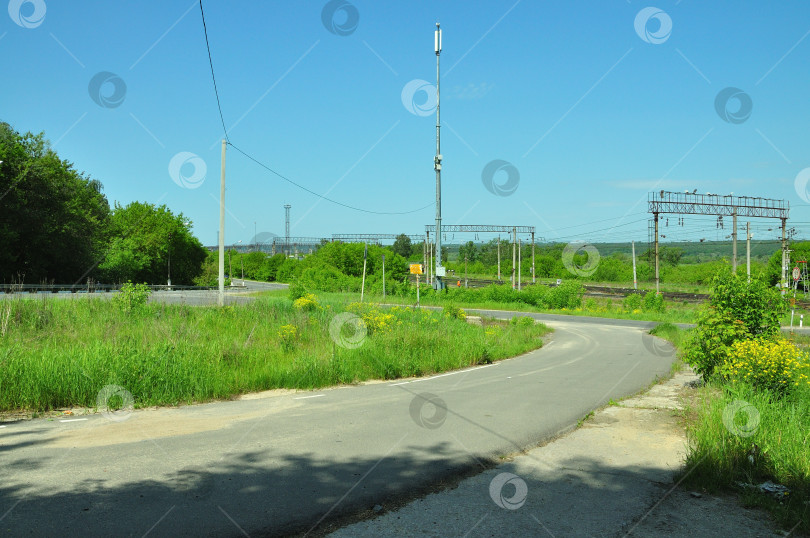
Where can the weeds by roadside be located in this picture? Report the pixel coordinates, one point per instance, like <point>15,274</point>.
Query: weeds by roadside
<point>747,426</point>
<point>57,354</point>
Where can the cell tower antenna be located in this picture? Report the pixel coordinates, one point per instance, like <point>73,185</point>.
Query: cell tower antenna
<point>437,163</point>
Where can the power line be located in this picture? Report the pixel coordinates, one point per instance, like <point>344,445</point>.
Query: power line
<point>211,63</point>
<point>321,196</point>
<point>288,180</point>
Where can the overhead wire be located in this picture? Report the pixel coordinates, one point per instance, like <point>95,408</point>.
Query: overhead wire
<point>269,169</point>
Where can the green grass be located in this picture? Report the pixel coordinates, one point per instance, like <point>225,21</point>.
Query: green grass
<point>718,455</point>
<point>60,353</point>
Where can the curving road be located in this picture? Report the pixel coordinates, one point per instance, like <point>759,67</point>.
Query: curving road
<point>293,462</point>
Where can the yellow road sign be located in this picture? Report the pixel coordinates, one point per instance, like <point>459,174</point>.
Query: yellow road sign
<point>416,268</point>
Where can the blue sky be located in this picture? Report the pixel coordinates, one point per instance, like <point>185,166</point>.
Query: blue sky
<point>591,113</point>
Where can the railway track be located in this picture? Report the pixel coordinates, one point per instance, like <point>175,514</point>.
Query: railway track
<point>590,291</point>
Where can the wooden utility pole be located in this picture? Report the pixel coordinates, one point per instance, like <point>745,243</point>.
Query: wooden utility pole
<point>499,257</point>
<point>514,253</point>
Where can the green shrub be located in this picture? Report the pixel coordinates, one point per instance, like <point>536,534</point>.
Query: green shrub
<point>454,312</point>
<point>296,290</point>
<point>738,310</point>
<point>522,321</point>
<point>708,347</point>
<point>132,296</point>
<point>653,302</point>
<point>754,303</point>
<point>566,295</point>
<point>632,302</point>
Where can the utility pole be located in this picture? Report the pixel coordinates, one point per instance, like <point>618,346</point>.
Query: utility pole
<point>437,164</point>
<point>534,280</point>
<point>424,259</point>
<point>520,243</point>
<point>499,257</point>
<point>748,250</point>
<point>221,294</point>
<point>635,282</point>
<point>465,271</point>
<point>428,257</point>
<point>514,248</point>
<point>657,279</point>
<point>383,256</point>
<point>734,241</point>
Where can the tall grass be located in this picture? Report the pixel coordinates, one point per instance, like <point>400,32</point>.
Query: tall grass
<point>60,353</point>
<point>766,441</point>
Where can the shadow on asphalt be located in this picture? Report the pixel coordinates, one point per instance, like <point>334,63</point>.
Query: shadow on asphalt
<point>262,495</point>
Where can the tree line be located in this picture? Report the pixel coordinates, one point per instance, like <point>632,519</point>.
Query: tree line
<point>56,225</point>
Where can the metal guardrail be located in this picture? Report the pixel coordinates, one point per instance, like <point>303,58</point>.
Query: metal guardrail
<point>95,288</point>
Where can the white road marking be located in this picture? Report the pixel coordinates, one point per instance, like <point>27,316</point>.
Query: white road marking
<point>73,420</point>
<point>305,397</point>
<point>443,375</point>
<point>2,426</point>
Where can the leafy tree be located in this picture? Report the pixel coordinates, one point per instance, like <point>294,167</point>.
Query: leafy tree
<point>469,251</point>
<point>671,255</point>
<point>402,246</point>
<point>145,240</point>
<point>488,253</point>
<point>53,219</point>
<point>799,251</point>
<point>666,255</point>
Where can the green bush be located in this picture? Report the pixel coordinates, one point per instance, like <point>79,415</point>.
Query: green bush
<point>132,296</point>
<point>454,312</point>
<point>297,290</point>
<point>632,302</point>
<point>738,310</point>
<point>708,347</point>
<point>566,295</point>
<point>754,303</point>
<point>522,321</point>
<point>653,302</point>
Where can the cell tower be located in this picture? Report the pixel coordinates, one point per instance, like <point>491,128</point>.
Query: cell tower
<point>287,226</point>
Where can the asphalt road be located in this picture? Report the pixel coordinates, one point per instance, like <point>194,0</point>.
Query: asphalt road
<point>294,462</point>
<point>233,294</point>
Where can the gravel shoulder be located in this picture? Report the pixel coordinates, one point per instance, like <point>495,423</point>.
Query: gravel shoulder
<point>614,476</point>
